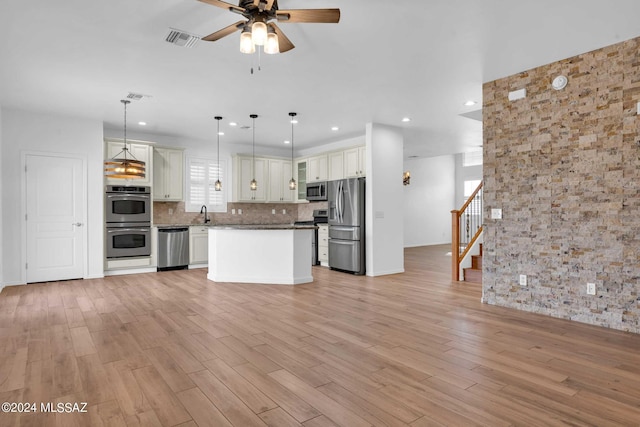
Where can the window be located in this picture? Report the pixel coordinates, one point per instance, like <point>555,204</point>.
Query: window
<point>470,186</point>
<point>472,158</point>
<point>201,178</point>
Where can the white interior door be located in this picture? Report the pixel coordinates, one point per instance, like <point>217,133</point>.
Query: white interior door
<point>55,218</point>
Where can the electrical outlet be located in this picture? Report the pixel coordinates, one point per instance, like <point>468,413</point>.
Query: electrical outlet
<point>284,211</point>
<point>523,280</point>
<point>233,211</point>
<point>591,288</point>
<point>239,211</point>
<point>273,211</point>
<point>170,211</point>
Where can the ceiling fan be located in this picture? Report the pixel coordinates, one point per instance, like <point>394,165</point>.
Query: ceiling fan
<point>257,28</point>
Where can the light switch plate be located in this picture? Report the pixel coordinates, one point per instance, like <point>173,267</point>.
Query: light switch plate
<point>496,213</point>
<point>523,280</point>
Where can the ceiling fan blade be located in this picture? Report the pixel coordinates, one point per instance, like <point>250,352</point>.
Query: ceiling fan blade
<point>225,5</point>
<point>283,41</point>
<point>224,32</point>
<point>309,15</point>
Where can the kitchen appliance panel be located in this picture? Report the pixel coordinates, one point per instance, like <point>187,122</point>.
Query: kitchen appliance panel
<point>344,232</point>
<point>317,191</point>
<point>345,255</point>
<point>346,197</point>
<point>128,240</point>
<point>173,248</point>
<point>128,204</point>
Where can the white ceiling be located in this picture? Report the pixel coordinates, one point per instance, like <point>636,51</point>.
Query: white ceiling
<point>385,60</point>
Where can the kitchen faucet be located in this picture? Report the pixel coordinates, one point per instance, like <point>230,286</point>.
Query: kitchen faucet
<point>203,209</point>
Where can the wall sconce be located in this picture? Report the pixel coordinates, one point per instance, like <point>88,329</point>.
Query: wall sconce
<point>406,178</point>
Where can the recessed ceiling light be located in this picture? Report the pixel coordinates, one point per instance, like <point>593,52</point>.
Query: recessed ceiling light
<point>233,124</point>
<point>335,128</point>
<point>220,133</point>
<point>286,141</point>
<point>406,119</point>
<point>470,103</point>
<point>142,123</point>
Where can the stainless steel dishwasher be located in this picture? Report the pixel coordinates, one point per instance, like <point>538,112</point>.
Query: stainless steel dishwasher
<point>173,248</point>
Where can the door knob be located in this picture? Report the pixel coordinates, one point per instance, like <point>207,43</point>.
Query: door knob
<point>78,224</point>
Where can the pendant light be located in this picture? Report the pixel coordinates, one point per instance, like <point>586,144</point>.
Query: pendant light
<point>124,165</point>
<point>292,182</point>
<point>254,184</point>
<point>218,184</point>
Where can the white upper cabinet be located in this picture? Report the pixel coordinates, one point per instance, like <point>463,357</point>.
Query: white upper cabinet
<point>355,162</point>
<point>138,151</point>
<point>280,174</point>
<point>244,173</point>
<point>317,168</point>
<point>336,165</point>
<point>168,174</point>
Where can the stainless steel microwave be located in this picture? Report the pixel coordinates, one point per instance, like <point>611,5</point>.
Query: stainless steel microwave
<point>317,191</point>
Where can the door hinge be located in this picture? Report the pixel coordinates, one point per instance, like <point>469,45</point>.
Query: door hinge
<point>25,168</point>
<point>26,217</point>
<point>26,265</point>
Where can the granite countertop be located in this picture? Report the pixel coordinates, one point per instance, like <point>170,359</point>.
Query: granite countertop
<point>263,227</point>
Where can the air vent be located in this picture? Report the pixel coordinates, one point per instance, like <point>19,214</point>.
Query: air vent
<point>181,38</point>
<point>137,96</point>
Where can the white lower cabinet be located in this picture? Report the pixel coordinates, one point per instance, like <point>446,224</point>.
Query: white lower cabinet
<point>198,244</point>
<point>323,244</point>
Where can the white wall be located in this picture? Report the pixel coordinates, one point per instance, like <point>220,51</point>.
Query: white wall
<point>25,131</point>
<point>384,199</point>
<point>429,200</point>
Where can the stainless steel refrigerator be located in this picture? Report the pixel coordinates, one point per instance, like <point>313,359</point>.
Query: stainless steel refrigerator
<point>346,225</point>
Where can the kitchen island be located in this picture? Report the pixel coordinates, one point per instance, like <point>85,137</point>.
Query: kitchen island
<point>269,254</point>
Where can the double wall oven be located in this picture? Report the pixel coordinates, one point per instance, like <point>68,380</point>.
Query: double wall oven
<point>128,221</point>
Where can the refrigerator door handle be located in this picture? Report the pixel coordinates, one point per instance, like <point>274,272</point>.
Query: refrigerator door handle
<point>341,201</point>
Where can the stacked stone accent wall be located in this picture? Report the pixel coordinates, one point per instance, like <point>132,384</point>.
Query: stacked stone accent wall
<point>564,166</point>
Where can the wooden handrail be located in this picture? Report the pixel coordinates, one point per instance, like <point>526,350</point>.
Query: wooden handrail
<point>458,255</point>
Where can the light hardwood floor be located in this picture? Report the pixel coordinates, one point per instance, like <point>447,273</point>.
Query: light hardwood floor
<point>166,349</point>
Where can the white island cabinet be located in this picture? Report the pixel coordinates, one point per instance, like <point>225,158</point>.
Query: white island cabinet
<point>268,254</point>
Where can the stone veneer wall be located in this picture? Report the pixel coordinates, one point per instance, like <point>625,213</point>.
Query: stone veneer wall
<point>564,166</point>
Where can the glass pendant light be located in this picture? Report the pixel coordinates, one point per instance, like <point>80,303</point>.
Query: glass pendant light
<point>292,182</point>
<point>124,165</point>
<point>259,33</point>
<point>246,41</point>
<point>272,46</point>
<point>254,184</point>
<point>218,184</point>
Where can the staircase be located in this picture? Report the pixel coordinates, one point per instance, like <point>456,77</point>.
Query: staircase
<point>466,228</point>
<point>474,273</point>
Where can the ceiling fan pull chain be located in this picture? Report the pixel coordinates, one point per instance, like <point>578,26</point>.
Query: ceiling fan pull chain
<point>259,58</point>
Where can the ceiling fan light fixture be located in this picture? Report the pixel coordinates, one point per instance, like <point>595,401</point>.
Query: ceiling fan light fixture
<point>272,45</point>
<point>246,42</point>
<point>259,33</point>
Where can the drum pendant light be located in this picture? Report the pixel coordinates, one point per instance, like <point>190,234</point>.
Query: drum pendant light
<point>218,184</point>
<point>254,184</point>
<point>124,165</point>
<point>292,182</point>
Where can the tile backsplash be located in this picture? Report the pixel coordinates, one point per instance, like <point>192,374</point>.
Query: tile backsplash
<point>252,213</point>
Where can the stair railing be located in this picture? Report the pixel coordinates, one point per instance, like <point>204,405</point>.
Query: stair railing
<point>466,227</point>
